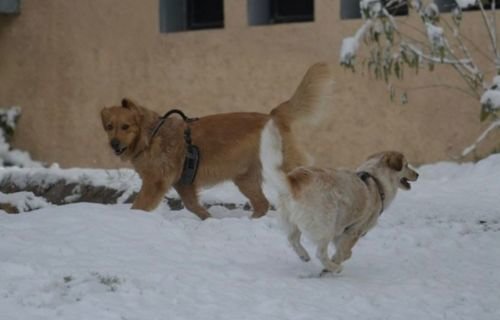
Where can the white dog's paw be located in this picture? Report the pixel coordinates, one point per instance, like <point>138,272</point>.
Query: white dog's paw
<point>325,272</point>
<point>339,269</point>
<point>305,257</point>
<point>302,253</point>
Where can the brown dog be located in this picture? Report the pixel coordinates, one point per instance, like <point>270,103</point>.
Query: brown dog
<point>332,206</point>
<point>228,143</point>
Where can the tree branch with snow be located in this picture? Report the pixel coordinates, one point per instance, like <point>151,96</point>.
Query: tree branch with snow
<point>393,46</point>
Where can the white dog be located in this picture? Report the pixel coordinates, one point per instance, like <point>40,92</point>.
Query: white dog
<point>328,205</point>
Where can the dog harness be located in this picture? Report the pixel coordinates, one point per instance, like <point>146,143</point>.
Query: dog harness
<point>364,176</point>
<point>192,158</point>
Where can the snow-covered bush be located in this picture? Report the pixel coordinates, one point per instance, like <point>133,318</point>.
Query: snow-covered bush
<point>396,45</point>
<point>9,156</point>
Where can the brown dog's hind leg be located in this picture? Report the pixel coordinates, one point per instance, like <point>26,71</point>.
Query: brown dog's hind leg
<point>250,184</point>
<point>190,199</point>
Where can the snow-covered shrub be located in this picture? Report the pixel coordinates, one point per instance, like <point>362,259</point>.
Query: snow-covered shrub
<point>395,46</point>
<point>9,156</point>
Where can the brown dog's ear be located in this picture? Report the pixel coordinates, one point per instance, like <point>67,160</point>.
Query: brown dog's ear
<point>104,116</point>
<point>127,103</point>
<point>394,160</point>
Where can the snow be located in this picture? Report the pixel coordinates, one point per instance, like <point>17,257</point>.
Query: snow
<point>490,98</point>
<point>9,116</point>
<point>465,3</point>
<point>435,35</point>
<point>431,11</point>
<point>124,180</point>
<point>372,7</point>
<point>350,45</point>
<point>23,201</point>
<point>433,255</point>
<point>9,156</point>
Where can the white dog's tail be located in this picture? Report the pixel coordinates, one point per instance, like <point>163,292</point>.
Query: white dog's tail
<point>310,99</point>
<point>271,158</point>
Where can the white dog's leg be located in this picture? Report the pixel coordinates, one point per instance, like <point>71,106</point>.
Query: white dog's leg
<point>340,252</point>
<point>292,232</point>
<point>322,255</point>
<point>294,240</point>
<point>343,247</point>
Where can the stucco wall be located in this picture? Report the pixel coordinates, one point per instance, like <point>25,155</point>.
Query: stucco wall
<point>62,61</point>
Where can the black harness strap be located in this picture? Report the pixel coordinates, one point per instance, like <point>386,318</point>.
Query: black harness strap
<point>168,114</point>
<point>364,176</point>
<point>192,158</point>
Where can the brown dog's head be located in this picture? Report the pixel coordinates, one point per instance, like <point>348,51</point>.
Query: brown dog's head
<point>394,165</point>
<point>124,126</point>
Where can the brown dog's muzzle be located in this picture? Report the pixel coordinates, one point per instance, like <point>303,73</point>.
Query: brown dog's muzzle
<point>117,146</point>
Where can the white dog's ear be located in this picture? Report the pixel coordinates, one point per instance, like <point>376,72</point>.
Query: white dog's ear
<point>394,160</point>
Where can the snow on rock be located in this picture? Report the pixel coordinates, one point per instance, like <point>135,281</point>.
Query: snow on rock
<point>60,186</point>
<point>23,201</point>
<point>433,255</point>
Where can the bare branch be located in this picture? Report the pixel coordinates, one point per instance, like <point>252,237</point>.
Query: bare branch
<point>490,29</point>
<point>485,133</point>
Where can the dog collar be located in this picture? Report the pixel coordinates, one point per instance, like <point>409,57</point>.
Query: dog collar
<point>364,176</point>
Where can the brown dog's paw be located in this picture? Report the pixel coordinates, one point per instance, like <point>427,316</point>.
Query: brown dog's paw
<point>204,216</point>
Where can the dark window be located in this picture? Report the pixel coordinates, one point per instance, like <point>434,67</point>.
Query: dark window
<point>292,11</point>
<point>10,6</point>
<point>397,9</point>
<point>183,15</point>
<point>349,9</point>
<point>486,5</point>
<point>445,5</point>
<point>262,12</point>
<point>205,14</point>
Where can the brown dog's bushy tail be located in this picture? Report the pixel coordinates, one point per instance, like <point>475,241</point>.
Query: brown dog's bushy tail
<point>310,98</point>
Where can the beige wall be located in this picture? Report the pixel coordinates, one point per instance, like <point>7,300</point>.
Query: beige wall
<point>61,61</point>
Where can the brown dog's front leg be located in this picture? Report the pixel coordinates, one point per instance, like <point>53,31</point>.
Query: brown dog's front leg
<point>150,195</point>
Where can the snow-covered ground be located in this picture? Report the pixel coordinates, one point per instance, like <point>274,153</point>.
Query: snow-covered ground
<point>434,255</point>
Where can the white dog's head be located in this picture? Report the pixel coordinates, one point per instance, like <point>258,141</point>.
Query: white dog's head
<point>394,166</point>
